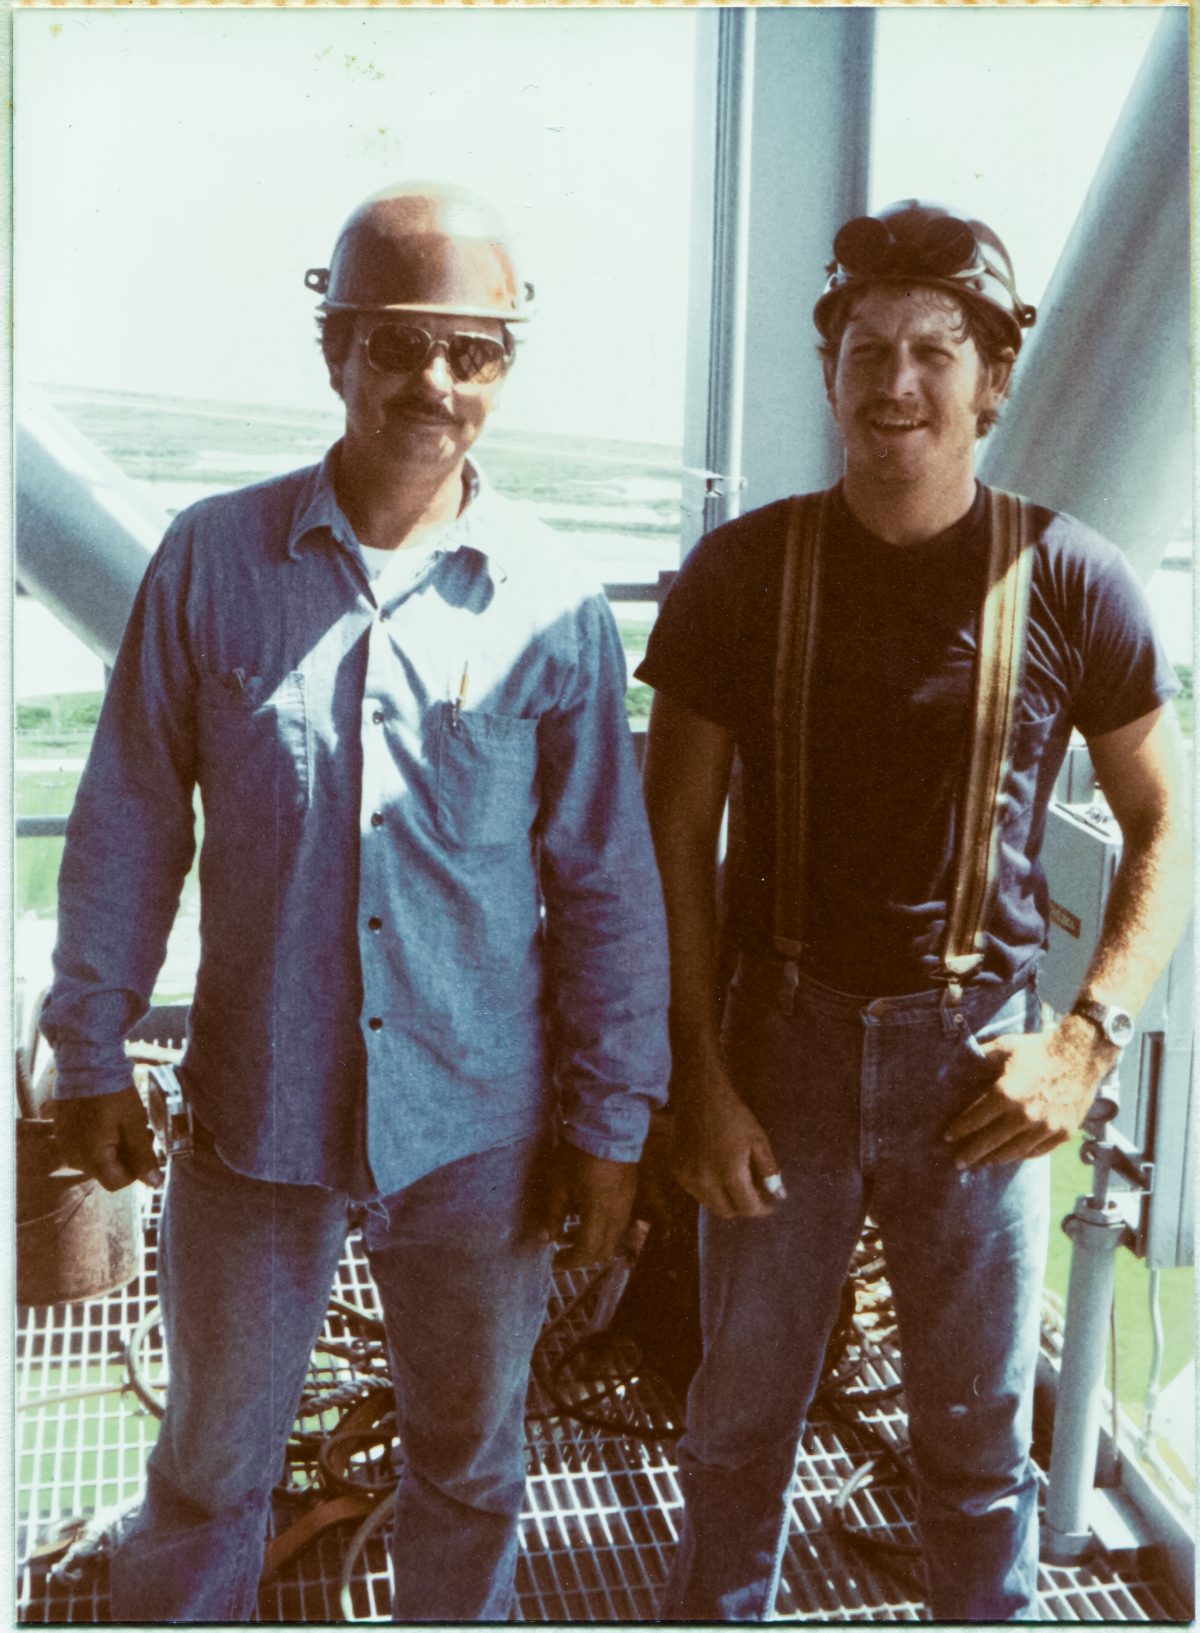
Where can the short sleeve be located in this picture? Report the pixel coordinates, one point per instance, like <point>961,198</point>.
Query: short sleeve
<point>707,633</point>
<point>1125,670</point>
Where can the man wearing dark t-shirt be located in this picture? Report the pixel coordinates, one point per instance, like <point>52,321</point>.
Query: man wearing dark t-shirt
<point>862,1066</point>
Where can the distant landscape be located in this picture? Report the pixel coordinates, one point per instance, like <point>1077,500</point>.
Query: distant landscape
<point>618,501</point>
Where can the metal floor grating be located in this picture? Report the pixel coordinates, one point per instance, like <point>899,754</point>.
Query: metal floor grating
<point>602,1509</point>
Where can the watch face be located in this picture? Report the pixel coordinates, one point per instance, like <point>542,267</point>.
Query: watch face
<point>1120,1027</point>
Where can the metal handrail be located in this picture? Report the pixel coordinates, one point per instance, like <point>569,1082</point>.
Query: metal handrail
<point>41,827</point>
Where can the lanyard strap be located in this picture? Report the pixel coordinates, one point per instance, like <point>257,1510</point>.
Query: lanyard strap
<point>1000,648</point>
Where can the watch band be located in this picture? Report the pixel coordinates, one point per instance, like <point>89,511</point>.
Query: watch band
<point>1113,1023</point>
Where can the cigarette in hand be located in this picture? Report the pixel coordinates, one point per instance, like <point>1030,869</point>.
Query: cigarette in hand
<point>773,1185</point>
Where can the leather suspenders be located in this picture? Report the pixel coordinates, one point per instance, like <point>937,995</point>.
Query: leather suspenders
<point>998,662</point>
<point>807,525</point>
<point>980,809</point>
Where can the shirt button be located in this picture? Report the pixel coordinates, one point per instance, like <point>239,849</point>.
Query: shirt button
<point>384,616</point>
<point>377,717</point>
<point>375,1023</point>
<point>374,924</point>
<point>377,819</point>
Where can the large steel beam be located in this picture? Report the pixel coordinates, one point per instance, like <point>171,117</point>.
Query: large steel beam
<point>85,533</point>
<point>1100,421</point>
<point>718,271</point>
<point>783,120</point>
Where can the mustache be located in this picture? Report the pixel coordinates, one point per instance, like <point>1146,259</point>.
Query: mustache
<point>417,407</point>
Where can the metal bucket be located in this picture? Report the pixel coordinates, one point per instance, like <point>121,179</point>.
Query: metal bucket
<point>74,1239</point>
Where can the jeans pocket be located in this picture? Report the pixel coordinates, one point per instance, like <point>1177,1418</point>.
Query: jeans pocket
<point>1020,1013</point>
<point>976,1069</point>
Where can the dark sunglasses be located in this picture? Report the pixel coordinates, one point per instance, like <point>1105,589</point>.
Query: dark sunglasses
<point>402,348</point>
<point>945,248</point>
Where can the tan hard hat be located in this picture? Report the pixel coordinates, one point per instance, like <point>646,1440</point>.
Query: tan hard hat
<point>424,246</point>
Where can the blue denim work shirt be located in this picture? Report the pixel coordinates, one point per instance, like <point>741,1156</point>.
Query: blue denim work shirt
<point>422,931</point>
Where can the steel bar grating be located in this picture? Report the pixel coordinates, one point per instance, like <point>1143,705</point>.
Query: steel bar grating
<point>602,1511</point>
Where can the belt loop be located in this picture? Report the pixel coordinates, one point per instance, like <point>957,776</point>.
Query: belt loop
<point>787,993</point>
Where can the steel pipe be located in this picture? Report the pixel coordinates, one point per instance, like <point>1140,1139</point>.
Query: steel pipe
<point>1100,421</point>
<point>1096,1233</point>
<point>783,100</point>
<point>85,533</point>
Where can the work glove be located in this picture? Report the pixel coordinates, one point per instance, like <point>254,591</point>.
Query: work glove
<point>108,1137</point>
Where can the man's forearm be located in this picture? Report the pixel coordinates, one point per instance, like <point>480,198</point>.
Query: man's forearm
<point>689,887</point>
<point>1147,910</point>
<point>1143,769</point>
<point>688,761</point>
<point>1047,1081</point>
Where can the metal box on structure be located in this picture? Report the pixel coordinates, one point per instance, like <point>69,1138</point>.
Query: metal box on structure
<point>1081,854</point>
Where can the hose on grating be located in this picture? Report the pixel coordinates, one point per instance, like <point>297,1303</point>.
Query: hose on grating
<point>374,1520</point>
<point>367,1356</point>
<point>604,1370</point>
<point>592,1383</point>
<point>839,1402</point>
<point>135,1364</point>
<point>366,1424</point>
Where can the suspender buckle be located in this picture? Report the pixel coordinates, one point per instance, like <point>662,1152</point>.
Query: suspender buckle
<point>954,1022</point>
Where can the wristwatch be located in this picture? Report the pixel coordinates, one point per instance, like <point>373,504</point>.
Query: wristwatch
<point>1117,1025</point>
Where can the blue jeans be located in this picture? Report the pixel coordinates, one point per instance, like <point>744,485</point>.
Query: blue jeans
<point>854,1096</point>
<point>245,1272</point>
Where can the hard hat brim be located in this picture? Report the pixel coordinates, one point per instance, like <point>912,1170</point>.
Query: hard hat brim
<point>848,288</point>
<point>451,310</point>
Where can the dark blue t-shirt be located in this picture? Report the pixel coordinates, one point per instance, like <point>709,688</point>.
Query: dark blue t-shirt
<point>890,719</point>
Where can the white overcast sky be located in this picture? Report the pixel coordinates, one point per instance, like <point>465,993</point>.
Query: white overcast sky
<point>177,171</point>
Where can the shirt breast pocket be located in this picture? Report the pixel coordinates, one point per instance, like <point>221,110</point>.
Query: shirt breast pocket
<point>253,740</point>
<point>486,778</point>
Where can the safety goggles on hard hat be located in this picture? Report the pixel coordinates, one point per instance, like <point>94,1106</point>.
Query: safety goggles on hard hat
<point>402,348</point>
<point>927,243</point>
<point>944,248</point>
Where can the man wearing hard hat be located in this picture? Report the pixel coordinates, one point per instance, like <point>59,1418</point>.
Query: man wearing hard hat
<point>432,986</point>
<point>898,663</point>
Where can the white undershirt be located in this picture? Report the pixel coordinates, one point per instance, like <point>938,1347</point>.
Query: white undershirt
<point>394,570</point>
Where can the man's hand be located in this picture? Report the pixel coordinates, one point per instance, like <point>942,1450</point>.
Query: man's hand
<point>722,1157</point>
<point>599,1191</point>
<point>1045,1083</point>
<point>108,1137</point>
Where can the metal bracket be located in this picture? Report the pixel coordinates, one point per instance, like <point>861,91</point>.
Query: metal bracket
<point>170,1114</point>
<point>717,484</point>
<point>1130,1165</point>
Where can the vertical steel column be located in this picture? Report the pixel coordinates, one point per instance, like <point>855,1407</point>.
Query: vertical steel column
<point>725,94</point>
<point>735,105</point>
<point>783,121</point>
<point>811,151</point>
<point>1100,422</point>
